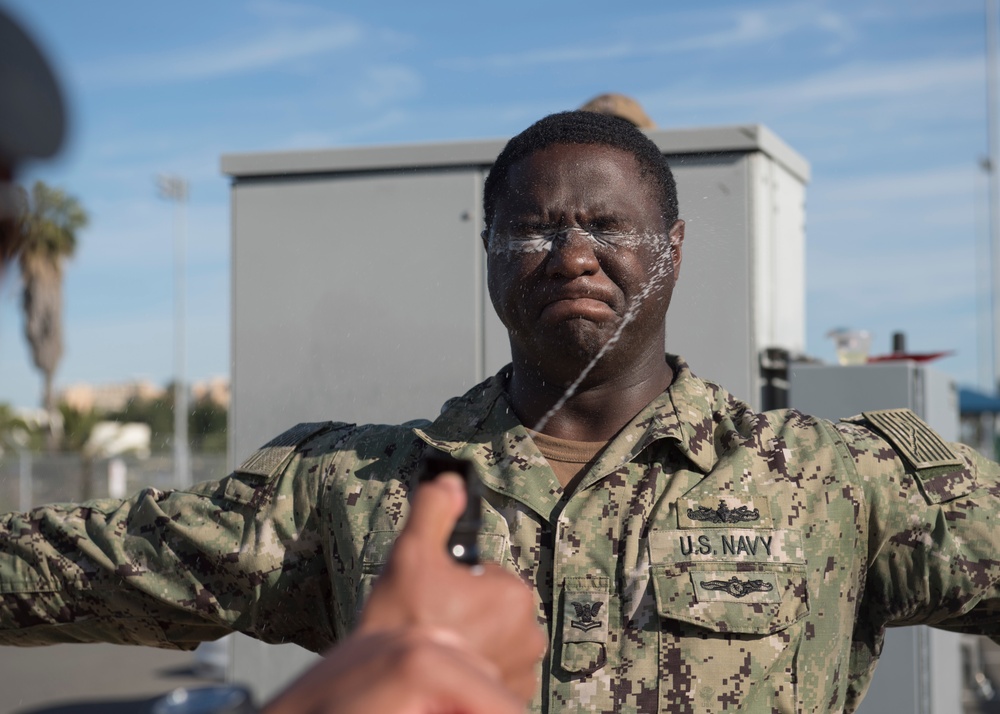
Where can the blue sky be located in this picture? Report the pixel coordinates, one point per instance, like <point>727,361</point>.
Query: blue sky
<point>885,98</point>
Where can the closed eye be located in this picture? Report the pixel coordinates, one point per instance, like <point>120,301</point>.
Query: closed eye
<point>532,230</point>
<point>606,224</point>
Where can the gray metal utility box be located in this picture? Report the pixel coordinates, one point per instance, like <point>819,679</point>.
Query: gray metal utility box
<point>359,292</point>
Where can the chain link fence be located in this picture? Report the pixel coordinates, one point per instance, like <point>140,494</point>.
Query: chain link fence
<point>31,479</point>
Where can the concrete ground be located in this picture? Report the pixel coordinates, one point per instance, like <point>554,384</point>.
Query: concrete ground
<point>90,679</point>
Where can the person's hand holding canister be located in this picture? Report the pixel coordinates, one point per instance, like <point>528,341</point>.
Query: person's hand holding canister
<point>435,635</point>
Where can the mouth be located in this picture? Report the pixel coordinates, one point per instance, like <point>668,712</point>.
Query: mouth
<point>578,305</point>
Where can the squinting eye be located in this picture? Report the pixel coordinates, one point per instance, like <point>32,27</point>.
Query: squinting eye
<point>521,238</point>
<point>531,231</point>
<point>604,225</point>
<point>613,237</point>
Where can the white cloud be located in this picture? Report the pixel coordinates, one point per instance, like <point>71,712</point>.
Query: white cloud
<point>737,31</point>
<point>531,58</point>
<point>387,84</point>
<point>310,139</point>
<point>900,279</point>
<point>933,185</point>
<point>182,64</point>
<point>378,125</point>
<point>282,10</point>
<point>857,81</point>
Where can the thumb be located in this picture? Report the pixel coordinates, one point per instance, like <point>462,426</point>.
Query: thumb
<point>436,508</point>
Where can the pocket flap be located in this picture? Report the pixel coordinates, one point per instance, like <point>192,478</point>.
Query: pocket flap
<point>751,599</point>
<point>585,619</point>
<point>378,545</point>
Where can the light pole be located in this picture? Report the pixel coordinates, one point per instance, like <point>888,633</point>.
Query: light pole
<point>174,188</point>
<point>992,165</point>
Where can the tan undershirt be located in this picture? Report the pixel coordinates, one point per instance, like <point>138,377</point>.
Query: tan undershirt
<point>568,459</point>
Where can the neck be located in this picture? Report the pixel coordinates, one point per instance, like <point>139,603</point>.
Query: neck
<point>604,402</point>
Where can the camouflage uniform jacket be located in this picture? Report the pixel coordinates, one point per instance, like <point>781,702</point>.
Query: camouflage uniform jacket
<point>713,559</point>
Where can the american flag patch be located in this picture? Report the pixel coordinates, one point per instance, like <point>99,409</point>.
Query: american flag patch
<point>913,439</point>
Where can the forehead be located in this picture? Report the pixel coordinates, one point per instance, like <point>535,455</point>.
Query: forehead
<point>578,177</point>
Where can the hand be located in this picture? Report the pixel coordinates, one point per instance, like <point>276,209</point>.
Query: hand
<point>435,638</point>
<point>409,671</point>
<point>493,612</point>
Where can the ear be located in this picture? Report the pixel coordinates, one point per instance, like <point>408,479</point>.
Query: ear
<point>676,235</point>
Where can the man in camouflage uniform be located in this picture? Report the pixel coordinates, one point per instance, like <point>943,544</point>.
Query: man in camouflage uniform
<point>686,553</point>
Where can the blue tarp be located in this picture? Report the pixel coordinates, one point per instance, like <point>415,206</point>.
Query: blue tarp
<point>971,401</point>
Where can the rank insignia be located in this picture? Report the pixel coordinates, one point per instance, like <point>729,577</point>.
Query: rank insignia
<point>586,614</point>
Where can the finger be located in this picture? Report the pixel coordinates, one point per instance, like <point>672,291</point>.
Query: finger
<point>436,508</point>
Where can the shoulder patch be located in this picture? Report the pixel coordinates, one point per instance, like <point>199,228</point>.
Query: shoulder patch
<point>913,439</point>
<point>266,460</point>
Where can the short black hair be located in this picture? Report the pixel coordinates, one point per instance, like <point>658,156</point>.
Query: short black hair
<point>583,127</point>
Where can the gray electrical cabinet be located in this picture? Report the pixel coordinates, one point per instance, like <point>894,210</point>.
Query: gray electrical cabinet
<point>920,670</point>
<point>358,281</point>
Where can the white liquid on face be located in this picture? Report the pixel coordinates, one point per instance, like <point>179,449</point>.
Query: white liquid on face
<point>544,241</point>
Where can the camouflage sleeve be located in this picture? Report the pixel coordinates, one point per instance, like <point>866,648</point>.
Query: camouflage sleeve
<point>933,522</point>
<point>171,569</point>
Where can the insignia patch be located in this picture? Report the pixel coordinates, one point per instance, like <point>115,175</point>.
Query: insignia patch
<point>736,587</point>
<point>586,613</point>
<point>744,587</point>
<point>723,514</point>
<point>584,621</point>
<point>915,441</point>
<point>271,455</point>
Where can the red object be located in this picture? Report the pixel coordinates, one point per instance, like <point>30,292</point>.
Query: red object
<point>915,356</point>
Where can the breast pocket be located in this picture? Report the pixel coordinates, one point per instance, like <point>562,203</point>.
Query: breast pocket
<point>729,634</point>
<point>732,598</point>
<point>378,546</point>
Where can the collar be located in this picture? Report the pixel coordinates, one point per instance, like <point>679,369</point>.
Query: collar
<point>686,414</point>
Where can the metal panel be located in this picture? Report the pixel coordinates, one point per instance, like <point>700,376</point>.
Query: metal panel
<point>673,142</point>
<point>834,392</point>
<point>739,139</point>
<point>367,158</point>
<point>778,246</point>
<point>710,320</point>
<point>355,298</point>
<point>496,343</point>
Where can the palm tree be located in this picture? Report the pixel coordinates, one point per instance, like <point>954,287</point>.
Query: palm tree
<point>51,222</point>
<point>13,207</point>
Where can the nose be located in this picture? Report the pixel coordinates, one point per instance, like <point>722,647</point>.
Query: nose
<point>572,256</point>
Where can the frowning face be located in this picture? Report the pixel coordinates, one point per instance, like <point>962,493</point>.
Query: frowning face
<point>578,253</point>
